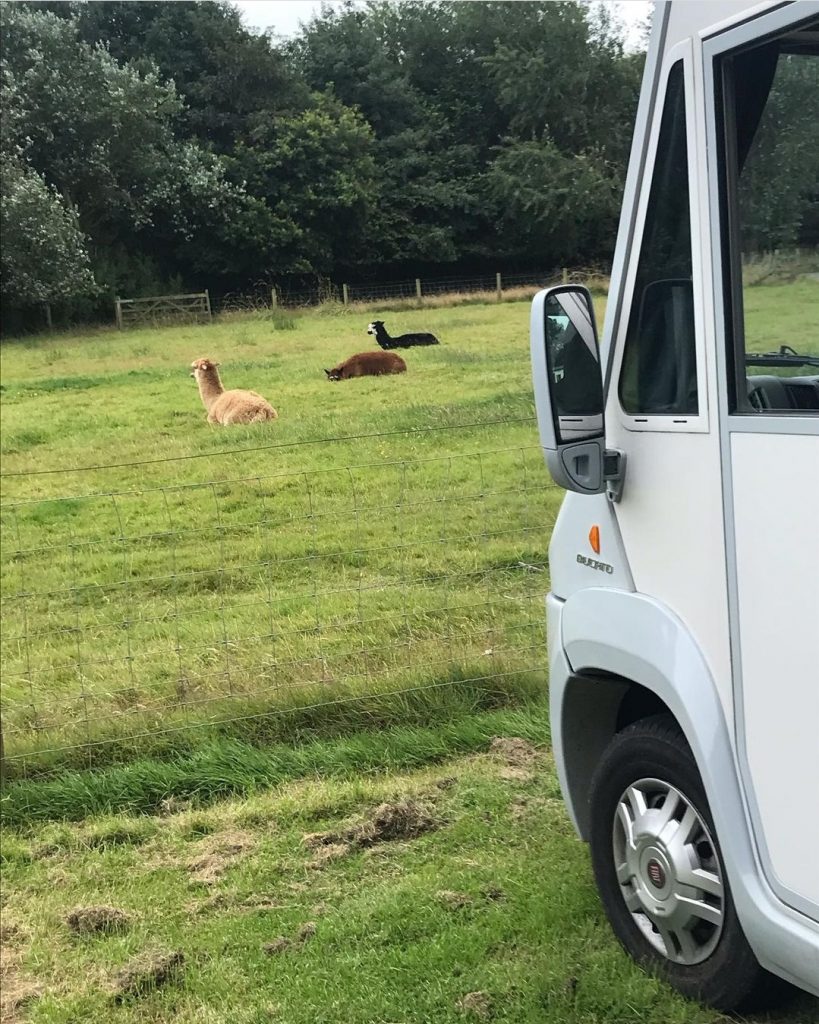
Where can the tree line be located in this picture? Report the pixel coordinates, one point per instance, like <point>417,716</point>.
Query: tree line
<point>149,147</point>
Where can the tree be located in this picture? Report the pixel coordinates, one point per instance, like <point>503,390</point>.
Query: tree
<point>312,177</point>
<point>779,184</point>
<point>227,77</point>
<point>101,134</point>
<point>389,138</point>
<point>551,204</point>
<point>44,253</point>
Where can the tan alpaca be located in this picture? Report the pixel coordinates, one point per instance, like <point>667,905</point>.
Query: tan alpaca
<point>226,407</point>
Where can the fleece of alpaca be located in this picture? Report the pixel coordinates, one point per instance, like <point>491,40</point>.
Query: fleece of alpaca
<point>378,329</point>
<point>228,407</point>
<point>368,364</point>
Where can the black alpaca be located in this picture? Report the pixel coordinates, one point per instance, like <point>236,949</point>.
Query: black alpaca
<point>402,341</point>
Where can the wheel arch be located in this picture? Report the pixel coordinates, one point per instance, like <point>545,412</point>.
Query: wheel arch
<point>614,653</point>
<point>595,706</point>
<point>637,659</point>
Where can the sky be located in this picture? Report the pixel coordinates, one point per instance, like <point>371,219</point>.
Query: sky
<point>284,16</point>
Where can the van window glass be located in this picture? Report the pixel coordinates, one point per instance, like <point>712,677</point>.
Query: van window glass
<point>659,374</point>
<point>772,185</point>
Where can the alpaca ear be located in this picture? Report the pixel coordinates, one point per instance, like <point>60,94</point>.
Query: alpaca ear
<point>327,372</point>
<point>214,365</point>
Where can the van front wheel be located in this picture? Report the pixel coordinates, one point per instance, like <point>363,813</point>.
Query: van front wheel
<point>659,870</point>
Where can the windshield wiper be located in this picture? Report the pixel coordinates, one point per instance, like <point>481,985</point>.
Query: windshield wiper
<point>786,356</point>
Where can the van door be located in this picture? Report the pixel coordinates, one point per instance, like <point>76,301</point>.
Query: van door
<point>766,222</point>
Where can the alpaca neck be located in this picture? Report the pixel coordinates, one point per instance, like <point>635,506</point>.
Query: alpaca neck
<point>210,387</point>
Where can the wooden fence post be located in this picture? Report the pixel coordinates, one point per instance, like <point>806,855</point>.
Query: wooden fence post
<point>418,294</point>
<point>274,297</point>
<point>345,294</point>
<point>565,275</point>
<point>118,312</point>
<point>207,303</point>
<point>48,315</point>
<point>498,287</point>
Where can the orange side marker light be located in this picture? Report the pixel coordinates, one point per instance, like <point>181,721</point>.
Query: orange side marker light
<point>594,539</point>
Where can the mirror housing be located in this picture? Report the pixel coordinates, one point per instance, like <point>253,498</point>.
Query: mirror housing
<point>568,386</point>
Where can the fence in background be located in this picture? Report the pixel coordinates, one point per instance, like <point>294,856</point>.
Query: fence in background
<point>417,289</point>
<point>131,312</point>
<point>132,614</point>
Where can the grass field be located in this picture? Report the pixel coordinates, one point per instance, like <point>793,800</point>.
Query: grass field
<point>385,536</point>
<point>455,892</point>
<point>182,879</point>
<point>254,568</point>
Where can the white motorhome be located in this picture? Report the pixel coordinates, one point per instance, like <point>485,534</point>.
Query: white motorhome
<point>683,616</point>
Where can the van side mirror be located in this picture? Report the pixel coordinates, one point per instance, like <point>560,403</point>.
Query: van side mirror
<point>568,384</point>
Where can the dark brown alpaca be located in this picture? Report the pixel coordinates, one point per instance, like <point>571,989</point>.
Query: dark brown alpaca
<point>367,364</point>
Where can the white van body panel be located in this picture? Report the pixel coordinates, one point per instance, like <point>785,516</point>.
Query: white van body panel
<point>667,515</point>
<point>779,637</point>
<point>573,562</point>
<point>712,604</point>
<point>783,940</point>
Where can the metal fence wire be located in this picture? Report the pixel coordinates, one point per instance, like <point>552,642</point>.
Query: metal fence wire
<point>414,290</point>
<point>130,614</point>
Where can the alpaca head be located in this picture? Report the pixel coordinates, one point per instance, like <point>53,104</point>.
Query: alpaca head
<point>203,367</point>
<point>373,327</point>
<point>333,374</point>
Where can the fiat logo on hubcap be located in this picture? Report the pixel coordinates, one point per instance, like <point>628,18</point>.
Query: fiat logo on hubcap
<point>656,874</point>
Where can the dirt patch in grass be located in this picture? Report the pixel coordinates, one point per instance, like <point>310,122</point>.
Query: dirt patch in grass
<point>406,819</point>
<point>218,853</point>
<point>212,904</point>
<point>327,853</point>
<point>100,920</point>
<point>514,773</point>
<point>260,901</point>
<point>476,1004</point>
<point>146,973</point>
<point>453,900</point>
<point>281,944</point>
<point>513,750</point>
<point>16,989</point>
<point>517,756</point>
<point>493,893</point>
<point>10,933</point>
<point>172,805</point>
<point>522,806</point>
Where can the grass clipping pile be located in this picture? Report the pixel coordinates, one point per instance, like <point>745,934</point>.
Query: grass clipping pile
<point>100,920</point>
<point>146,973</point>
<point>517,756</point>
<point>218,853</point>
<point>388,822</point>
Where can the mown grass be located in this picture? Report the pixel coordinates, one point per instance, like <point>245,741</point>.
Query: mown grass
<point>488,912</point>
<point>200,838</point>
<point>385,537</point>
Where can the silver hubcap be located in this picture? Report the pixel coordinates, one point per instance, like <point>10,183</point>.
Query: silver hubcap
<point>670,876</point>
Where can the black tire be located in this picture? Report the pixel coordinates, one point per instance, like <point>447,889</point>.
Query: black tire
<point>729,977</point>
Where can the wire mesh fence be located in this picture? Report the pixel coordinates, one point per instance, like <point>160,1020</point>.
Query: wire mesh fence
<point>409,290</point>
<point>264,295</point>
<point>133,614</point>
